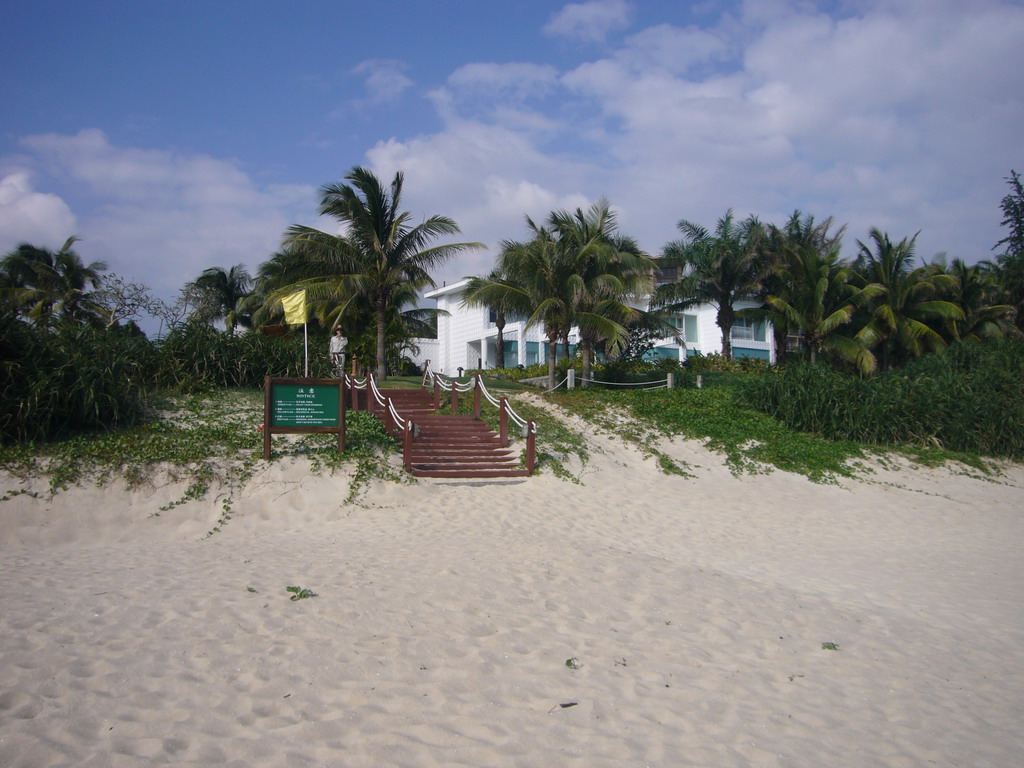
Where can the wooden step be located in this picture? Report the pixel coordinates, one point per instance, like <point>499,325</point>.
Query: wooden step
<point>462,472</point>
<point>450,446</point>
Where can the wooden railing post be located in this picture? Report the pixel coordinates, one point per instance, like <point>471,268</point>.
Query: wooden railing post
<point>531,447</point>
<point>455,399</point>
<point>476,396</point>
<point>437,395</point>
<point>503,422</point>
<point>407,446</point>
<point>355,396</point>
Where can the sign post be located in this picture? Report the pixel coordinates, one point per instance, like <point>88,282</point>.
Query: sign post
<point>303,406</point>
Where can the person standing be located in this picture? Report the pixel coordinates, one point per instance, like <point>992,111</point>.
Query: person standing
<point>338,345</point>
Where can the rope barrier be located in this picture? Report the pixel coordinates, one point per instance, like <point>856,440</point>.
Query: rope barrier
<point>399,421</point>
<point>556,386</point>
<point>659,382</point>
<point>445,384</point>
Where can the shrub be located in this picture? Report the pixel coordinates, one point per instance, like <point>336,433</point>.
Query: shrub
<point>968,398</point>
<point>196,356</point>
<point>716,363</point>
<point>72,378</point>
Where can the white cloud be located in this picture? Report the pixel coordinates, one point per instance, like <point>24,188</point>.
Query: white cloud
<point>673,49</point>
<point>162,217</point>
<point>28,216</point>
<point>500,93</point>
<point>485,177</point>
<point>886,115</point>
<point>590,21</point>
<point>385,79</point>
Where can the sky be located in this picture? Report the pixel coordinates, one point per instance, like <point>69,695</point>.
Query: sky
<point>175,136</point>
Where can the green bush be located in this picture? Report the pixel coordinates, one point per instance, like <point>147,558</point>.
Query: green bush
<point>73,378</point>
<point>515,373</point>
<point>968,398</point>
<point>69,379</point>
<point>639,372</point>
<point>196,356</point>
<point>716,363</point>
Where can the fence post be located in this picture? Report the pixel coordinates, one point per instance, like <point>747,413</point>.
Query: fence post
<point>570,382</point>
<point>407,446</point>
<point>437,394</point>
<point>455,399</point>
<point>503,422</point>
<point>700,381</point>
<point>531,447</point>
<point>476,396</point>
<point>671,380</point>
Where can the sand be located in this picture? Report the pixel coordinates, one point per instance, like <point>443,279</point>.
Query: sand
<point>634,619</point>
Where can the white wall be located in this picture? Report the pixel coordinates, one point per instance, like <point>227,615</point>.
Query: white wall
<point>466,338</point>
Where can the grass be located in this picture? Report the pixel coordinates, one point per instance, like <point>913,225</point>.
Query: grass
<point>213,440</point>
<point>204,440</point>
<point>750,441</point>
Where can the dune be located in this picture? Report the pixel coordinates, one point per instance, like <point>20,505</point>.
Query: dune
<point>631,619</point>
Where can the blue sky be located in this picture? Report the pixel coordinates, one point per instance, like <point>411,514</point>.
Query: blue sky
<point>175,136</point>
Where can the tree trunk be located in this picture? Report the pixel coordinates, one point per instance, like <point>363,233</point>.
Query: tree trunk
<point>726,317</point>
<point>499,342</point>
<point>780,335</point>
<point>552,359</point>
<point>381,354</point>
<point>586,353</point>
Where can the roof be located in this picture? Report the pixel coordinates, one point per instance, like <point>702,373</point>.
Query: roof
<point>445,290</point>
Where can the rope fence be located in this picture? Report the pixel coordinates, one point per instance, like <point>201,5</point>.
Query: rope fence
<point>397,425</point>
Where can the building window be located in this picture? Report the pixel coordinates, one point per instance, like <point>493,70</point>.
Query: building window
<point>747,329</point>
<point>685,323</point>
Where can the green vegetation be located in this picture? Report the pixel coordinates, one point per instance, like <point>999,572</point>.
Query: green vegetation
<point>720,268</point>
<point>298,593</point>
<point>927,358</point>
<point>378,264</point>
<point>72,378</point>
<point>967,398</point>
<point>56,382</point>
<point>751,441</point>
<point>209,440</point>
<point>577,270</point>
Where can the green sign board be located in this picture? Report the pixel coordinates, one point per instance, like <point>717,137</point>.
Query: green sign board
<point>303,405</point>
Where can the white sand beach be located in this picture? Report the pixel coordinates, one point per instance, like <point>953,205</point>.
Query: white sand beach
<point>694,610</point>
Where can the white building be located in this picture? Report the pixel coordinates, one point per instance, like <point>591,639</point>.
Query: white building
<point>466,336</point>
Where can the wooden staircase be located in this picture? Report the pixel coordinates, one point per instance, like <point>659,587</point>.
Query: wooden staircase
<point>450,446</point>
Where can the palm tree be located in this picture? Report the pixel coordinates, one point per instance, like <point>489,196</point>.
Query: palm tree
<point>537,275</point>
<point>45,284</point>
<point>975,291</point>
<point>380,255</point>
<point>901,312</point>
<point>799,231</point>
<point>502,305</point>
<point>815,295</point>
<point>719,268</point>
<point>576,271</point>
<point>225,292</point>
<point>606,269</point>
<point>535,284</point>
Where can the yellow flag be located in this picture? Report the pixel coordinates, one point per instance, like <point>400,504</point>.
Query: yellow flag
<point>295,308</point>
